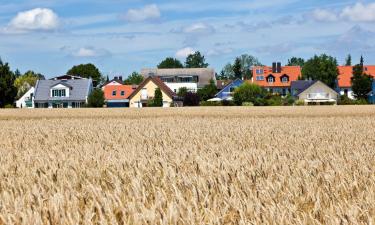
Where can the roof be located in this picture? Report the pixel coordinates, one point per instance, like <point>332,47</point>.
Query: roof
<point>315,83</point>
<point>220,84</point>
<point>293,72</point>
<point>108,91</point>
<point>113,80</point>
<point>158,83</point>
<point>204,74</point>
<point>346,74</point>
<point>79,89</point>
<point>228,85</point>
<point>67,77</point>
<point>301,85</point>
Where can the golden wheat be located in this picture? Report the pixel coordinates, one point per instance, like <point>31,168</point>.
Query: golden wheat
<point>283,165</point>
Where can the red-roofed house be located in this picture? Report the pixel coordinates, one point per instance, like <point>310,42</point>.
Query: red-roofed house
<point>117,94</point>
<point>276,78</point>
<point>345,78</point>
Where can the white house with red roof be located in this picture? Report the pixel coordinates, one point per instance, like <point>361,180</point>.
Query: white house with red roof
<point>344,79</point>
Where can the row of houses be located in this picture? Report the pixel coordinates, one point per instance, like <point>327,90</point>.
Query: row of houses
<point>73,91</point>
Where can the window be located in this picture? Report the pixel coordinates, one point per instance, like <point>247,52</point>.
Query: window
<point>284,79</point>
<point>270,79</point>
<point>114,93</point>
<point>260,78</point>
<point>185,79</point>
<point>122,93</point>
<point>167,79</point>
<point>59,93</point>
<point>259,71</point>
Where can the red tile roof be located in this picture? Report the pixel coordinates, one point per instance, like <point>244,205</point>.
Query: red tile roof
<point>346,74</point>
<point>109,89</point>
<point>293,72</point>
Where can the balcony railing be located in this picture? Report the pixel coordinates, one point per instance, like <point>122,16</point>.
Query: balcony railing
<point>318,96</point>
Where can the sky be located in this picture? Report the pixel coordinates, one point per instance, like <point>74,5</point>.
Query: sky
<point>121,36</point>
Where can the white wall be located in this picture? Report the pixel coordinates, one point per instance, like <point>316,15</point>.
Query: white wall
<point>176,86</point>
<point>350,93</point>
<point>21,103</point>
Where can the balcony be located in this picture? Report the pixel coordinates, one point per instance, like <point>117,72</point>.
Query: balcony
<point>318,96</point>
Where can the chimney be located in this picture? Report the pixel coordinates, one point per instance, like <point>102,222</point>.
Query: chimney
<point>116,78</point>
<point>274,69</point>
<point>120,78</point>
<point>278,69</point>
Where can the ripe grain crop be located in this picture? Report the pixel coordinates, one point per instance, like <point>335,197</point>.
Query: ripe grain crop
<point>289,165</point>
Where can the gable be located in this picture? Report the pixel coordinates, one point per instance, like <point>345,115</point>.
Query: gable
<point>318,87</point>
<point>60,86</point>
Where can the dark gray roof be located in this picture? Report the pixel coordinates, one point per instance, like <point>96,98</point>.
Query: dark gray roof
<point>79,89</point>
<point>300,86</point>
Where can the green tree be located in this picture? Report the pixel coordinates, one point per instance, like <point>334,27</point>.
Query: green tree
<point>247,62</point>
<point>8,91</point>
<point>135,79</point>
<point>182,92</point>
<point>294,61</point>
<point>323,68</point>
<point>196,60</point>
<point>96,98</point>
<point>248,93</point>
<point>237,68</point>
<point>348,60</point>
<point>24,82</point>
<point>207,92</point>
<point>227,72</point>
<point>158,98</point>
<point>361,82</point>
<point>170,63</point>
<point>87,71</point>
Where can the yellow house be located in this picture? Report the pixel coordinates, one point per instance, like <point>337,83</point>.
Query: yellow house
<point>146,91</point>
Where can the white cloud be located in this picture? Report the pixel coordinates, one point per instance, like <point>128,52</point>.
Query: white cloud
<point>149,12</point>
<point>38,19</point>
<point>359,12</point>
<point>219,51</point>
<point>183,53</point>
<point>199,28</point>
<point>85,52</point>
<point>323,15</point>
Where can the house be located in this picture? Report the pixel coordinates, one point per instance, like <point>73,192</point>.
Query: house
<point>371,96</point>
<point>276,79</point>
<point>220,84</point>
<point>27,100</point>
<point>314,92</point>
<point>55,93</point>
<point>189,78</point>
<point>67,77</point>
<point>146,91</point>
<point>116,93</point>
<point>344,80</point>
<point>227,92</point>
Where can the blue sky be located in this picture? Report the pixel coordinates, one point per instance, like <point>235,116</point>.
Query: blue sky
<point>121,36</point>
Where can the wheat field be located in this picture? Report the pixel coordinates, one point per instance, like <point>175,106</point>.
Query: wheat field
<point>282,165</point>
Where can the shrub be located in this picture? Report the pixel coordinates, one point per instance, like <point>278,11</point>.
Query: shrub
<point>205,103</point>
<point>96,99</point>
<point>300,102</point>
<point>158,99</point>
<point>227,103</point>
<point>191,99</point>
<point>247,104</point>
<point>345,100</point>
<point>9,106</point>
<point>249,93</point>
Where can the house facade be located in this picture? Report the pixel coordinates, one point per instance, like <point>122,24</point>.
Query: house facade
<point>276,78</point>
<point>116,93</point>
<point>189,78</point>
<point>27,100</point>
<point>146,92</point>
<point>55,93</point>
<point>227,92</point>
<point>314,92</point>
<point>371,96</point>
<point>344,80</point>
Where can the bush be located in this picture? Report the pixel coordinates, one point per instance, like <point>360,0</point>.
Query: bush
<point>191,99</point>
<point>247,104</point>
<point>227,103</point>
<point>96,99</point>
<point>205,103</point>
<point>249,93</point>
<point>9,106</point>
<point>300,102</point>
<point>275,100</point>
<point>345,100</point>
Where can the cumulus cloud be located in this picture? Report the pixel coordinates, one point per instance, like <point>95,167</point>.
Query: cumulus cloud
<point>185,52</point>
<point>39,19</point>
<point>149,12</point>
<point>199,28</point>
<point>359,12</point>
<point>85,52</point>
<point>324,15</point>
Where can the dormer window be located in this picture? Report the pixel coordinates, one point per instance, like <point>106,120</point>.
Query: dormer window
<point>59,93</point>
<point>271,79</point>
<point>284,79</point>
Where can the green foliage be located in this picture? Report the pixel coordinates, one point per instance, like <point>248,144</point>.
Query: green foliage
<point>248,104</point>
<point>227,72</point>
<point>361,82</point>
<point>345,100</point>
<point>209,91</point>
<point>247,62</point>
<point>323,68</point>
<point>240,68</point>
<point>8,91</point>
<point>348,60</point>
<point>300,102</point>
<point>237,70</point>
<point>294,61</point>
<point>9,106</point>
<point>196,60</point>
<point>24,82</point>
<point>87,71</point>
<point>249,93</point>
<point>227,103</point>
<point>96,98</point>
<point>134,79</point>
<point>206,103</point>
<point>158,98</point>
<point>182,92</point>
<point>170,63</point>
<point>191,99</point>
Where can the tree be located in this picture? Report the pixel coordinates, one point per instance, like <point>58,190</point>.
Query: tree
<point>96,98</point>
<point>24,82</point>
<point>182,92</point>
<point>191,99</point>
<point>237,71</point>
<point>248,93</point>
<point>323,68</point>
<point>107,79</point>
<point>294,61</point>
<point>170,63</point>
<point>87,71</point>
<point>8,91</point>
<point>247,62</point>
<point>227,72</point>
<point>196,60</point>
<point>207,92</point>
<point>348,60</point>
<point>134,79</point>
<point>361,82</point>
<point>158,98</point>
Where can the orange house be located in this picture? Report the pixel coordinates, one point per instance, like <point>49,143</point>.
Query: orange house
<point>117,94</point>
<point>344,79</point>
<point>276,78</point>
